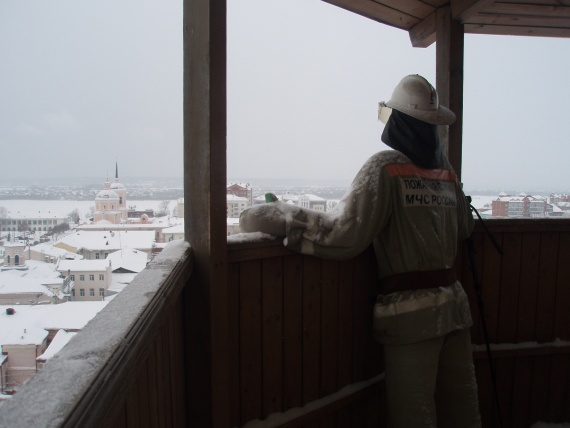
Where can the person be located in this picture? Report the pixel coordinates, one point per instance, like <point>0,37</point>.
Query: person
<point>409,204</point>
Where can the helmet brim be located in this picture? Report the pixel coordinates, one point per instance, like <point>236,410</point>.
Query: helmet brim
<point>441,116</point>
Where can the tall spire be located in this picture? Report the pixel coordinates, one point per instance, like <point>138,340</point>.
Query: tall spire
<point>116,171</point>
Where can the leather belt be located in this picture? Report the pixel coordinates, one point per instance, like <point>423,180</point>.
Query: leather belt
<point>417,280</point>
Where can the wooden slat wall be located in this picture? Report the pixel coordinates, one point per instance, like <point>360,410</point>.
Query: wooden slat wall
<point>321,310</point>
<point>302,326</point>
<point>526,294</point>
<point>156,396</point>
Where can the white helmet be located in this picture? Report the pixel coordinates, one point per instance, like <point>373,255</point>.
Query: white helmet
<point>416,97</point>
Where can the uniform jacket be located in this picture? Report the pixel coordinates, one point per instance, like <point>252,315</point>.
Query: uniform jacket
<point>413,216</point>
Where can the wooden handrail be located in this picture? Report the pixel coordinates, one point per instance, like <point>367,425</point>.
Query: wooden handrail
<point>86,381</point>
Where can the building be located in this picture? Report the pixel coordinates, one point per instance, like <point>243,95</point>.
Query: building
<point>128,260</point>
<point>47,253</point>
<point>521,206</point>
<point>174,232</point>
<point>16,290</point>
<point>28,331</point>
<point>39,283</point>
<point>14,256</point>
<point>111,202</point>
<point>90,278</point>
<point>40,222</point>
<point>235,205</point>
<point>98,244</point>
<point>241,190</point>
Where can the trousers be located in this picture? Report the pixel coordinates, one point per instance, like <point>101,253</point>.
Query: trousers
<point>432,384</point>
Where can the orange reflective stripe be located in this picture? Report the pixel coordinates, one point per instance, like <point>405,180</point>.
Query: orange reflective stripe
<point>408,169</point>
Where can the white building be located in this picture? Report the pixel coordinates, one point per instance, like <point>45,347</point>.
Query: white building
<point>235,205</point>
<point>42,221</point>
<point>91,278</point>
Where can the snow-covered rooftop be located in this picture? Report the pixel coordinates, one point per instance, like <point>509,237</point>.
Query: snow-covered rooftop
<point>82,265</point>
<point>61,339</point>
<point>12,284</point>
<point>49,250</point>
<point>29,323</point>
<point>109,240</point>
<point>178,228</point>
<point>129,259</point>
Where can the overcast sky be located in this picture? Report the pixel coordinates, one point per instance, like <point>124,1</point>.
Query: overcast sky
<point>86,84</point>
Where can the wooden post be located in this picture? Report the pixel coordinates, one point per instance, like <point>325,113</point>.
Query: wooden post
<point>449,82</point>
<point>206,327</point>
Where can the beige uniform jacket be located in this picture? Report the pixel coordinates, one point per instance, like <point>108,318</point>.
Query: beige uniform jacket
<point>413,216</point>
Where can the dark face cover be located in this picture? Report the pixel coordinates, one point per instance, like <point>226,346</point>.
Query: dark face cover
<point>417,139</point>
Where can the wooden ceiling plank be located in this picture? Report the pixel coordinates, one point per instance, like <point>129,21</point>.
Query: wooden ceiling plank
<point>535,2</point>
<point>511,30</point>
<point>423,34</point>
<point>415,8</point>
<point>521,20</point>
<point>529,9</point>
<point>377,12</point>
<point>465,10</point>
<point>437,3</point>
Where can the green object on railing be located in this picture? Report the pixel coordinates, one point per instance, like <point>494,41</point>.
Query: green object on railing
<point>270,197</point>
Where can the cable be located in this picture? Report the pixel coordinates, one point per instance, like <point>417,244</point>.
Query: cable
<point>479,294</point>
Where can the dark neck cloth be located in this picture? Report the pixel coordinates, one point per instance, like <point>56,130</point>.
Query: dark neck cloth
<point>417,139</point>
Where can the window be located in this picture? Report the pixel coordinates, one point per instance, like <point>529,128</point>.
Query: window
<point>101,277</point>
<point>102,292</point>
<point>81,277</point>
<point>82,292</point>
<point>73,292</point>
<point>97,255</point>
<point>72,277</point>
<point>91,291</point>
<point>91,277</point>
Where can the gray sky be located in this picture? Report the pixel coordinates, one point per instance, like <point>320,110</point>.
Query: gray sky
<point>85,84</point>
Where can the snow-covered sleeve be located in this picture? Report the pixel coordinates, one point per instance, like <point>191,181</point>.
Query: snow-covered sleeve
<point>341,233</point>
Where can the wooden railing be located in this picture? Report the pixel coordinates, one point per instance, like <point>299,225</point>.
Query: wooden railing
<point>300,349</point>
<point>301,330</point>
<point>526,295</point>
<point>125,368</point>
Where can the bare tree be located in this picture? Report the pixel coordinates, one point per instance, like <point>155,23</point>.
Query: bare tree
<point>23,227</point>
<point>74,216</point>
<point>163,209</point>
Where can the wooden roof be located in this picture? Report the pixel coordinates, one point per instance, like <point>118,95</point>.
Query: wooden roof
<point>547,18</point>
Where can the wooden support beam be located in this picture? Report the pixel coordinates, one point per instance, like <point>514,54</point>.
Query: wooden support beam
<point>423,33</point>
<point>206,323</point>
<point>449,82</point>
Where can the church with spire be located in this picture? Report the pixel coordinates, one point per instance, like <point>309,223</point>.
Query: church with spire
<point>111,202</point>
